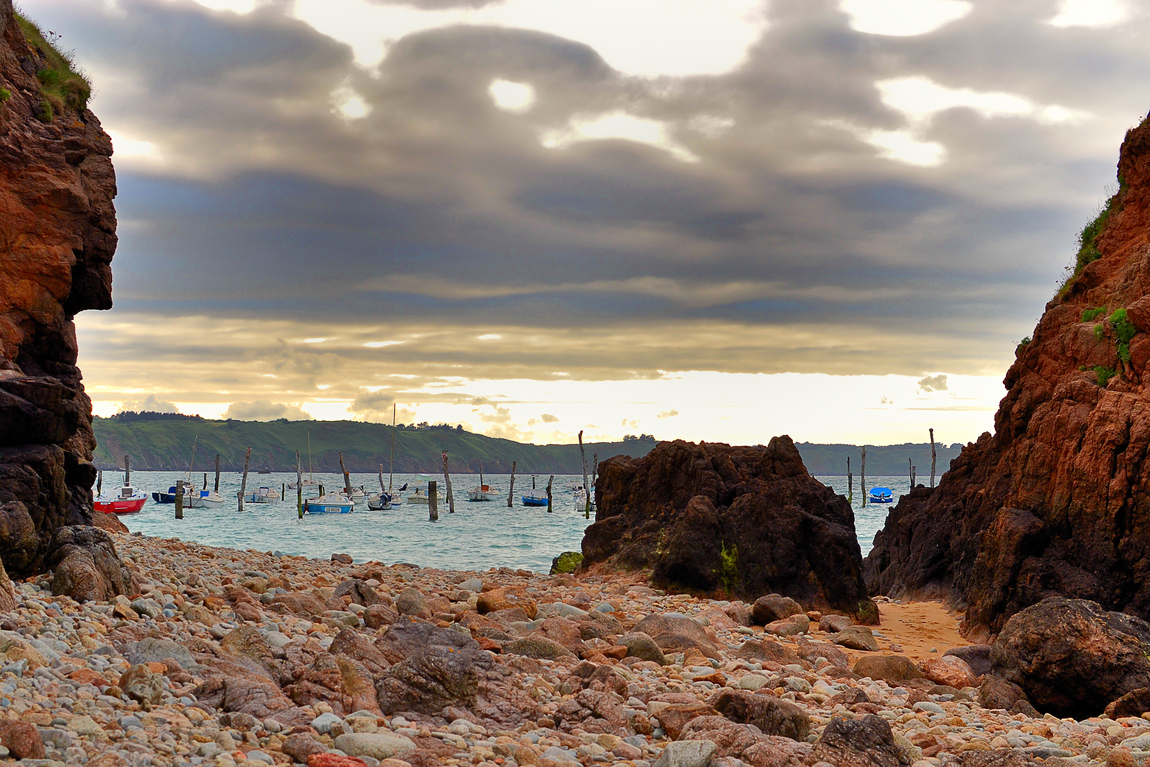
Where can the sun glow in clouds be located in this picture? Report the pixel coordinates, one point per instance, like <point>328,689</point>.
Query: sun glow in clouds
<point>512,97</point>
<point>618,125</point>
<point>903,18</point>
<point>381,344</point>
<point>1090,13</point>
<point>920,99</point>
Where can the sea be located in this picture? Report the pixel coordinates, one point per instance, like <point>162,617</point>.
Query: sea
<point>477,536</point>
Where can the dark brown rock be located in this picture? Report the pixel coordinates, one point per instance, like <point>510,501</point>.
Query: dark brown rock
<point>1072,657</point>
<point>21,739</point>
<point>977,656</point>
<point>87,567</point>
<point>812,651</point>
<point>768,649</point>
<point>864,742</point>
<point>892,668</point>
<point>996,692</point>
<point>359,592</point>
<point>1055,501</point>
<point>674,718</point>
<point>856,638</point>
<point>302,745</point>
<point>747,743</point>
<point>773,716</point>
<point>774,607</point>
<point>832,624</point>
<point>677,633</point>
<point>406,637</point>
<point>57,237</point>
<point>675,509</point>
<point>355,645</point>
<point>434,677</point>
<point>1133,703</point>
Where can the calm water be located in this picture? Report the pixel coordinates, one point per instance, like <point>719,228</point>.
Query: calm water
<point>476,537</point>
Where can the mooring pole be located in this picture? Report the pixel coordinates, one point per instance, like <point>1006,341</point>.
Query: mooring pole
<point>933,456</point>
<point>511,492</point>
<point>346,476</point>
<point>127,471</point>
<point>862,478</point>
<point>447,481</point>
<point>594,478</point>
<point>205,480</point>
<point>298,486</point>
<point>217,472</point>
<point>433,501</point>
<point>850,482</point>
<point>549,481</point>
<point>179,499</point>
<point>100,483</point>
<point>910,468</point>
<point>244,483</point>
<point>586,490</point>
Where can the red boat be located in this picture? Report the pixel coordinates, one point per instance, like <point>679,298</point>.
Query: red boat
<point>129,501</point>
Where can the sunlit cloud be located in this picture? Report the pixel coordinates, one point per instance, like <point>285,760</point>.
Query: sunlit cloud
<point>1090,13</point>
<point>617,125</point>
<point>919,98</point>
<point>512,97</point>
<point>903,18</point>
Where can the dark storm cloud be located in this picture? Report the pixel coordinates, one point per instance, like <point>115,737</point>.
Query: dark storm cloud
<point>439,210</point>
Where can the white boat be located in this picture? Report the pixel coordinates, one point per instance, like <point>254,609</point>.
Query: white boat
<point>332,503</point>
<point>480,493</point>
<point>210,499</point>
<point>358,495</point>
<point>417,496</point>
<point>380,501</point>
<point>262,495</point>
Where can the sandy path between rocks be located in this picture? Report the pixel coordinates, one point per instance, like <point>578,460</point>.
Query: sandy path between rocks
<point>918,627</point>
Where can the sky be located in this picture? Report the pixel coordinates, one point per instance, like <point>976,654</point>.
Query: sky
<point>710,219</point>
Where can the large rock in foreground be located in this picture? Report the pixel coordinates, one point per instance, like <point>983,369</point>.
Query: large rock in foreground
<point>57,236</point>
<point>748,520</point>
<point>1072,657</point>
<point>1057,501</point>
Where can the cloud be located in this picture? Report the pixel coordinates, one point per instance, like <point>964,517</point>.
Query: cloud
<point>932,383</point>
<point>265,410</point>
<point>548,418</point>
<point>150,403</point>
<point>663,416</point>
<point>630,423</point>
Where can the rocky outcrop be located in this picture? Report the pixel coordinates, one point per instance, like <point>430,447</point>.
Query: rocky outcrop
<point>1057,500</point>
<point>57,237</point>
<point>748,520</point>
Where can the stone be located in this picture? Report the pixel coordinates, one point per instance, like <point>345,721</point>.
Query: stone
<point>301,745</point>
<point>812,651</point>
<point>640,645</point>
<point>744,519</point>
<point>856,638</point>
<point>412,602</point>
<point>156,650</point>
<point>377,745</point>
<point>21,739</point>
<point>768,650</point>
<point>773,716</point>
<point>832,624</point>
<point>142,685</point>
<point>434,677</point>
<point>891,668</point>
<point>976,656</point>
<point>949,670</point>
<point>746,743</point>
<point>342,559</point>
<point>87,567</point>
<point>504,599</point>
<point>406,637</point>
<point>537,647</point>
<point>358,591</point>
<point>1051,503</point>
<point>379,615</point>
<point>567,562</point>
<point>789,627</point>
<point>677,633</point>
<point>1072,657</point>
<point>1134,703</point>
<point>996,692</point>
<point>687,753</point>
<point>774,607</point>
<point>334,760</point>
<point>864,742</point>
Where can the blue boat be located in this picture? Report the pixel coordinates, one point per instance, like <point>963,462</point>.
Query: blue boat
<point>534,498</point>
<point>328,504</point>
<point>168,497</point>
<point>881,495</point>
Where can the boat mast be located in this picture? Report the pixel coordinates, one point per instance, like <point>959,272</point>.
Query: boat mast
<point>391,473</point>
<point>191,462</point>
<point>481,476</point>
<point>309,474</point>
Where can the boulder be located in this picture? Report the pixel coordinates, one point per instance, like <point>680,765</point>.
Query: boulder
<point>892,668</point>
<point>768,649</point>
<point>977,656</point>
<point>747,520</point>
<point>435,676</point>
<point>856,638</point>
<point>358,591</point>
<point>833,624</point>
<point>1053,502</point>
<point>686,753</point>
<point>21,739</point>
<point>949,670</point>
<point>406,637</point>
<point>674,718</point>
<point>142,685</point>
<point>1133,703</point>
<point>642,646</point>
<point>675,632</point>
<point>996,692</point>
<point>537,647</point>
<point>789,627</point>
<point>411,601</point>
<point>567,562</point>
<point>1072,657</point>
<point>774,607</point>
<point>864,742</point>
<point>504,599</point>
<point>746,742</point>
<point>812,651</point>
<point>87,567</point>
<point>773,716</point>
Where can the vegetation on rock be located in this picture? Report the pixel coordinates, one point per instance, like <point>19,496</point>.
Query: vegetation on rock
<point>60,82</point>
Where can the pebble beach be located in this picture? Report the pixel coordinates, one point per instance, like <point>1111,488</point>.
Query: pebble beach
<point>558,675</point>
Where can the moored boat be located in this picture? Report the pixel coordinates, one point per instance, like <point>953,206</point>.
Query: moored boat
<point>128,500</point>
<point>417,496</point>
<point>332,503</point>
<point>262,495</point>
<point>210,499</point>
<point>380,501</point>
<point>881,495</point>
<point>534,498</point>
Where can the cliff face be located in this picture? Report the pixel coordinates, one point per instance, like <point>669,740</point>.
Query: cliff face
<point>1057,501</point>
<point>749,520</point>
<point>57,237</point>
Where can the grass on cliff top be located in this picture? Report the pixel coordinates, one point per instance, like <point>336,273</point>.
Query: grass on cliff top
<point>60,83</point>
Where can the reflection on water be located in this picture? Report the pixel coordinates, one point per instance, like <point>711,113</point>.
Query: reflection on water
<point>476,537</point>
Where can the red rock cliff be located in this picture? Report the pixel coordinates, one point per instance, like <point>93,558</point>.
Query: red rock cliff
<point>57,237</point>
<point>1057,501</point>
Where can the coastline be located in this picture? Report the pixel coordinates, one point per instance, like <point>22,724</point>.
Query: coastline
<point>245,622</point>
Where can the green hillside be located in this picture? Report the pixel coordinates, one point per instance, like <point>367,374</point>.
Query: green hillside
<point>167,445</point>
<point>156,445</point>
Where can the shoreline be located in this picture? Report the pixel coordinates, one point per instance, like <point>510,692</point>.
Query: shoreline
<point>268,657</point>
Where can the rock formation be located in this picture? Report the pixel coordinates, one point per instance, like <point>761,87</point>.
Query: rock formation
<point>57,236</point>
<point>749,520</point>
<point>1057,501</point>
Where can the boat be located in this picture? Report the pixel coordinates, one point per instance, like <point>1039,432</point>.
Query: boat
<point>357,495</point>
<point>210,499</point>
<point>332,503</point>
<point>168,497</point>
<point>192,498</point>
<point>380,501</point>
<point>534,498</point>
<point>480,493</point>
<point>881,495</point>
<point>262,495</point>
<point>128,500</point>
<point>417,496</point>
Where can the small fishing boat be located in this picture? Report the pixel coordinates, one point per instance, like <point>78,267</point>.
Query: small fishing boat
<point>534,498</point>
<point>128,500</point>
<point>263,495</point>
<point>417,496</point>
<point>357,495</point>
<point>332,503</point>
<point>210,499</point>
<point>480,493</point>
<point>380,501</point>
<point>168,497</point>
<point>191,497</point>
<point>881,495</point>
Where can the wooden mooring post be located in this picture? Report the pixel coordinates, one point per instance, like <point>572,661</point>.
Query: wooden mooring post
<point>447,482</point>
<point>850,482</point>
<point>179,499</point>
<point>511,492</point>
<point>433,501</point>
<point>244,481</point>
<point>217,472</point>
<point>127,471</point>
<point>933,457</point>
<point>586,490</point>
<point>205,480</point>
<point>298,486</point>
<point>549,481</point>
<point>100,483</point>
<point>910,465</point>
<point>862,477</point>
<point>346,476</point>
